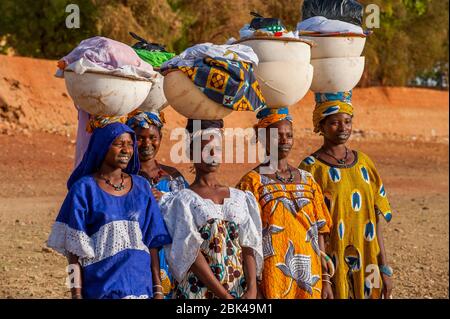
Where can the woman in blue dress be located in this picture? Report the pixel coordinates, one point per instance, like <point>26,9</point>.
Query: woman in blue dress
<point>162,178</point>
<point>110,224</point>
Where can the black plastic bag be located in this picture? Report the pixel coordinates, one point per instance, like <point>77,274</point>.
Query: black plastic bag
<point>143,44</point>
<point>259,22</point>
<point>344,10</point>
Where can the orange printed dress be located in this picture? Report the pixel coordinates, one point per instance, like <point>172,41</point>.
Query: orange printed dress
<point>355,195</point>
<point>292,216</point>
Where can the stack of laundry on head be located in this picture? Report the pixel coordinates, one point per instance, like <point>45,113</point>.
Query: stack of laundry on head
<point>208,82</point>
<point>284,71</point>
<point>106,79</point>
<point>335,26</point>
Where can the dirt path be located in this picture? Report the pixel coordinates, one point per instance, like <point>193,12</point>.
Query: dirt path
<point>415,174</point>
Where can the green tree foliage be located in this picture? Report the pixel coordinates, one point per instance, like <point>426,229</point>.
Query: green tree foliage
<point>412,39</point>
<point>38,28</point>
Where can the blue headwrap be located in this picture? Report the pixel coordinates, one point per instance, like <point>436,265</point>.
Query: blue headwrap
<point>345,97</point>
<point>99,145</point>
<point>268,116</point>
<point>145,119</point>
<point>331,103</point>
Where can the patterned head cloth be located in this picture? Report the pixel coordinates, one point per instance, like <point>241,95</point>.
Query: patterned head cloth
<point>100,121</point>
<point>331,103</point>
<point>140,119</point>
<point>230,83</point>
<point>268,117</point>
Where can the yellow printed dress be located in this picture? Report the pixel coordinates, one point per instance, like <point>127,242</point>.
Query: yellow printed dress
<point>354,194</point>
<point>292,217</point>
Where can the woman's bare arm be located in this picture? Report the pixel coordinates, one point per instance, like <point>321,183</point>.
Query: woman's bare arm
<point>156,277</point>
<point>75,276</point>
<point>327,291</point>
<point>250,273</point>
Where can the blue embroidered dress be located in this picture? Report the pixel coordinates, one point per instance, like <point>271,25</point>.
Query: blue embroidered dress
<point>110,234</point>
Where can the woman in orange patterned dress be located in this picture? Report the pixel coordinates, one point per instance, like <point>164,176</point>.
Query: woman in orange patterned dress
<point>294,217</point>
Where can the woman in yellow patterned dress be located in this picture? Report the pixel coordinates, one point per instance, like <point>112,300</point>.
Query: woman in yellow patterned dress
<point>294,218</point>
<point>356,197</point>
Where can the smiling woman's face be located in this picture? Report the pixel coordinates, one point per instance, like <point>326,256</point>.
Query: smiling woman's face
<point>120,152</point>
<point>284,138</point>
<point>337,128</point>
<point>149,140</point>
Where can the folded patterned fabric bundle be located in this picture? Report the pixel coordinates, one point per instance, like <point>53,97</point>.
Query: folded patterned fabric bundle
<point>236,52</point>
<point>224,73</point>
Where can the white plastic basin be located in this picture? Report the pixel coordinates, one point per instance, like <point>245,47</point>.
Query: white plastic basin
<point>336,74</point>
<point>336,47</point>
<point>284,83</point>
<point>156,101</point>
<point>187,99</point>
<point>279,49</point>
<point>102,94</point>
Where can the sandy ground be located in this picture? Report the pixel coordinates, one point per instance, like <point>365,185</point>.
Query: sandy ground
<point>404,130</point>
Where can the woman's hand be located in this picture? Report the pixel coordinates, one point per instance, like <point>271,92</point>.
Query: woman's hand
<point>327,292</point>
<point>158,295</point>
<point>251,293</point>
<point>157,194</point>
<point>387,286</point>
<point>259,294</point>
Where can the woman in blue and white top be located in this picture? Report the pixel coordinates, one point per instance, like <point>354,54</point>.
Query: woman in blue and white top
<point>110,224</point>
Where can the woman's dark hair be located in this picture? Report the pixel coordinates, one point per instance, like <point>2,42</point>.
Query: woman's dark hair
<point>204,125</point>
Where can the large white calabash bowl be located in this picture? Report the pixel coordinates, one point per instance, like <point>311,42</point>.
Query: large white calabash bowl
<point>336,47</point>
<point>284,83</point>
<point>186,98</point>
<point>271,49</point>
<point>336,74</point>
<point>107,95</point>
<point>156,101</point>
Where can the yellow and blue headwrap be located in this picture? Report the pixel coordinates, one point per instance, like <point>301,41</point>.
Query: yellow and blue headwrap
<point>331,103</point>
<point>140,119</point>
<point>268,117</point>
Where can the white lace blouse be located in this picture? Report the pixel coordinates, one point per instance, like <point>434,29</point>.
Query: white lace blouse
<point>185,212</point>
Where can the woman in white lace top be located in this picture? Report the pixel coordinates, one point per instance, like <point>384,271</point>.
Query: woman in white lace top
<point>216,250</point>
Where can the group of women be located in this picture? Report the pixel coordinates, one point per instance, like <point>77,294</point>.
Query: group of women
<point>132,227</point>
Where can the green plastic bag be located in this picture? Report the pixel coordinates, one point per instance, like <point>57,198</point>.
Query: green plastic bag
<point>154,58</point>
